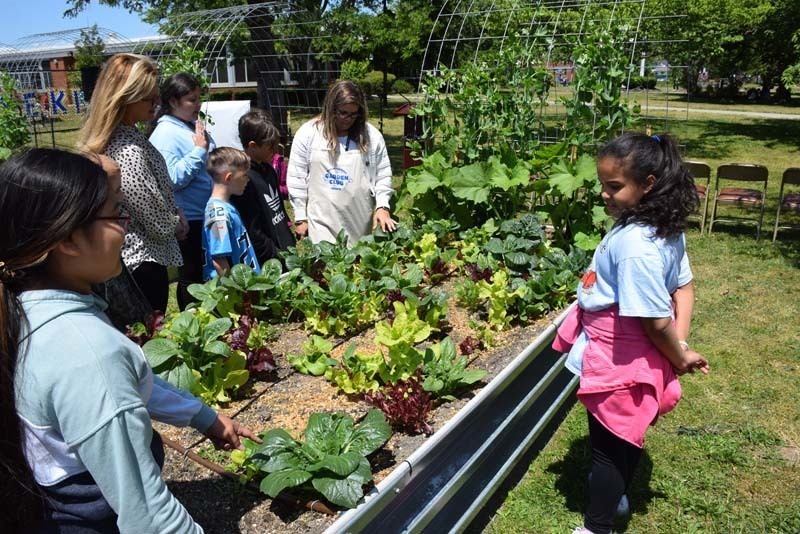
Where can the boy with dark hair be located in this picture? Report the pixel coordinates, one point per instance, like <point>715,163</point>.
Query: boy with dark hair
<point>260,205</point>
<point>225,239</point>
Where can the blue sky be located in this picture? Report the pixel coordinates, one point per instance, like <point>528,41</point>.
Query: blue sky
<point>24,17</point>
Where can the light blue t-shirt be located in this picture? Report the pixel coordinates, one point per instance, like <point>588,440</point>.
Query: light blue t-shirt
<point>224,235</point>
<point>636,270</point>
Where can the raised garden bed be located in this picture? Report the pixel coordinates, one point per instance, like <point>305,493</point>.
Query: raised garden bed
<point>493,268</point>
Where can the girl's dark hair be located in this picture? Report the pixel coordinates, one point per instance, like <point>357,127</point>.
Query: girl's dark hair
<point>673,195</point>
<point>45,195</point>
<point>176,86</point>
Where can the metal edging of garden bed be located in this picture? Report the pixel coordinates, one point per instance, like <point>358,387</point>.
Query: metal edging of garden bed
<point>445,483</point>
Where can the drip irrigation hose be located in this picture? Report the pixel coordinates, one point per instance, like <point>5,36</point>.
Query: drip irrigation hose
<point>314,506</point>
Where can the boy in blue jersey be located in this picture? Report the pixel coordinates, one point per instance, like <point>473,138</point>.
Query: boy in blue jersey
<point>225,239</point>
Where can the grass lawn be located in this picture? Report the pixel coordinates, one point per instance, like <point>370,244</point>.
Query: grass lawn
<point>727,459</point>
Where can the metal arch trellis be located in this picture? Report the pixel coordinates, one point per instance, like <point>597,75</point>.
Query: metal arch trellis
<point>275,40</point>
<point>465,30</point>
<point>23,59</point>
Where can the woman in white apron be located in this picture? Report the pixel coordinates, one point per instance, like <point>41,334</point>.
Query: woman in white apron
<point>339,176</point>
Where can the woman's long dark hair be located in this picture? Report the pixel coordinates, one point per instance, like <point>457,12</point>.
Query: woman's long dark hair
<point>176,86</point>
<point>340,94</point>
<point>672,197</point>
<point>45,195</point>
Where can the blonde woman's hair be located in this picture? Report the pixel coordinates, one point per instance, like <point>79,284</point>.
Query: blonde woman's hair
<point>340,94</point>
<point>124,80</point>
<point>226,159</point>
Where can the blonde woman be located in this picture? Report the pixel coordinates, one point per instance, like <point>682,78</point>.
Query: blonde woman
<point>127,94</point>
<point>339,175</point>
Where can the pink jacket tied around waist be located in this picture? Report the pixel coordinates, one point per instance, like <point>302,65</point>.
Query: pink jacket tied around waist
<point>626,383</point>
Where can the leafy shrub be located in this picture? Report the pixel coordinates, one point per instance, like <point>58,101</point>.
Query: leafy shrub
<point>332,460</point>
<point>401,86</point>
<point>372,82</point>
<point>642,82</point>
<point>353,69</point>
<point>13,124</point>
<point>185,58</point>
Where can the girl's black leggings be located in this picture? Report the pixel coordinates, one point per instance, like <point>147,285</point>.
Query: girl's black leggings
<point>613,462</point>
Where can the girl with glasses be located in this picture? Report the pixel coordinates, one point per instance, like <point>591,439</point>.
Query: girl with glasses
<point>339,176</point>
<point>76,396</point>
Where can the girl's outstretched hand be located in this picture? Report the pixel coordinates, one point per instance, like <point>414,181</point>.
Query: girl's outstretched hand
<point>224,433</point>
<point>694,361</point>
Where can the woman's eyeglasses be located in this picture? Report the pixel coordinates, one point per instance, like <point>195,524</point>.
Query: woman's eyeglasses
<point>342,114</point>
<point>123,220</point>
<point>154,100</point>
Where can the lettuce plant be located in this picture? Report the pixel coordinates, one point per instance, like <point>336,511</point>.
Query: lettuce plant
<point>314,360</point>
<point>501,298</point>
<point>359,373</point>
<point>406,404</point>
<point>250,337</point>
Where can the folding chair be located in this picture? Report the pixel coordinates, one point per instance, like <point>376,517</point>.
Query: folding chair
<point>742,197</point>
<point>789,201</point>
<point>701,171</point>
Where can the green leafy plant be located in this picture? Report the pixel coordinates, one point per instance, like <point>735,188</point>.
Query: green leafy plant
<point>314,360</point>
<point>359,373</point>
<point>406,328</point>
<point>577,213</point>
<point>344,307</point>
<point>467,294</point>
<point>89,48</point>
<point>332,460</point>
<point>469,194</point>
<point>501,299</point>
<point>189,353</point>
<point>185,58</point>
<point>445,372</point>
<point>13,124</point>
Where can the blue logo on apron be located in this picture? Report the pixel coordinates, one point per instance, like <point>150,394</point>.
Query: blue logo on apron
<point>336,178</point>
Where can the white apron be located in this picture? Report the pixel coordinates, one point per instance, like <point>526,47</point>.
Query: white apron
<point>339,196</point>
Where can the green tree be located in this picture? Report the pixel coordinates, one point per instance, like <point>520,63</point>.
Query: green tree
<point>726,36</point>
<point>89,48</point>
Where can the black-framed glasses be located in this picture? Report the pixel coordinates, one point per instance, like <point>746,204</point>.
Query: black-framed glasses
<point>342,114</point>
<point>123,220</point>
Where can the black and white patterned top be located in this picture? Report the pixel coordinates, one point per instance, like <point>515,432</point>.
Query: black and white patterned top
<point>148,198</point>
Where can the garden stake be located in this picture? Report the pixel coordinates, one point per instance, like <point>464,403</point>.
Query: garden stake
<point>314,506</point>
